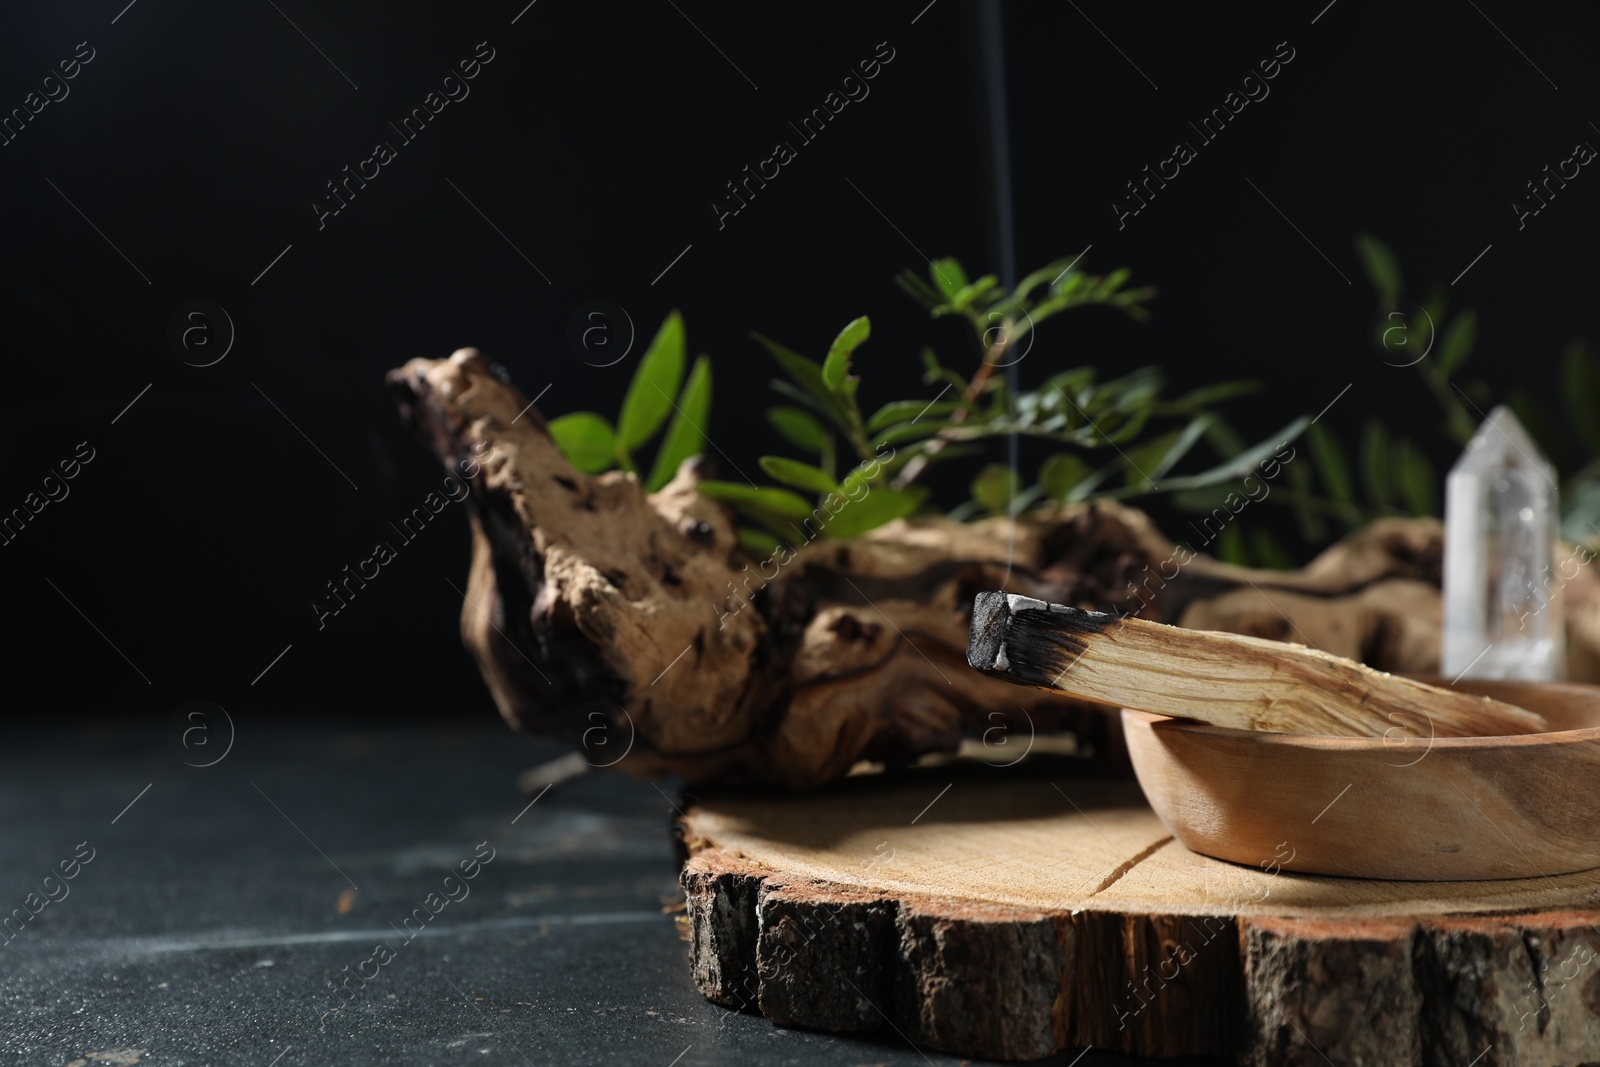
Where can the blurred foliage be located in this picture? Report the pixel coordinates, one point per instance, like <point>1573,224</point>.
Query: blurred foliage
<point>1388,474</point>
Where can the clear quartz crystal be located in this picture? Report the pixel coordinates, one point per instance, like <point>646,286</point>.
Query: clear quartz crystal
<point>1502,598</point>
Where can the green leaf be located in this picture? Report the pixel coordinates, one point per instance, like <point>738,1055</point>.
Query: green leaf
<point>1075,384</point>
<point>1580,376</point>
<point>1084,489</point>
<point>799,475</point>
<point>1062,473</point>
<point>758,542</point>
<point>1027,498</point>
<point>1129,427</point>
<point>1479,393</point>
<point>1206,396</point>
<point>994,487</point>
<point>1312,527</point>
<point>909,431</point>
<point>1457,343</point>
<point>1176,447</point>
<point>1580,507</point>
<point>686,432</point>
<point>965,511</point>
<point>586,440</point>
<point>1066,282</point>
<point>1224,438</point>
<point>948,276</point>
<point>1435,306</point>
<point>1400,333</point>
<point>1132,392</point>
<point>943,455</point>
<point>1417,482</point>
<point>1269,551</point>
<point>919,290</point>
<point>873,510</point>
<point>1143,458</point>
<point>1382,270</point>
<point>800,396</point>
<point>1376,464</point>
<point>1115,280</point>
<point>655,382</point>
<point>1241,465</point>
<point>799,428</point>
<point>855,482</point>
<point>933,372</point>
<point>837,365</point>
<point>778,501</point>
<point>974,292</point>
<point>1542,426</point>
<point>1199,501</point>
<point>907,411</point>
<point>808,373</point>
<point>1231,547</point>
<point>1029,283</point>
<point>837,406</point>
<point>1331,463</point>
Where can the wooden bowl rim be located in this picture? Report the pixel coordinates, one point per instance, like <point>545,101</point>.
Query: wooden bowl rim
<point>1339,742</point>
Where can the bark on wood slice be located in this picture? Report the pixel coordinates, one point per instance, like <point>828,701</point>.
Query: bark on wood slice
<point>1013,915</point>
<point>631,622</point>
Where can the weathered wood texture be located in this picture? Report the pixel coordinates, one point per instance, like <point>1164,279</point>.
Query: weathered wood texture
<point>1019,916</point>
<point>632,622</point>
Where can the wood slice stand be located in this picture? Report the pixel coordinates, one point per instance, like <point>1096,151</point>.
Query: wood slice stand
<point>1026,910</point>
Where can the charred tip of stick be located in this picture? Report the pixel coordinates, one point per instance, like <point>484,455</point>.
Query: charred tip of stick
<point>1027,640</point>
<point>991,621</point>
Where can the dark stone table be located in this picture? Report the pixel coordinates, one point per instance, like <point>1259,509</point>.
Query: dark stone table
<point>233,914</point>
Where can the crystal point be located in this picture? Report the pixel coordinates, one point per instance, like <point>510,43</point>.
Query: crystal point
<point>1502,596</point>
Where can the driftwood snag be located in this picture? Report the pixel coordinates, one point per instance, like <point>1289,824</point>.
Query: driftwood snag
<point>1019,916</point>
<point>635,623</point>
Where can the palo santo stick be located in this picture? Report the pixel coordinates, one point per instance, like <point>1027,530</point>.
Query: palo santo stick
<point>1223,679</point>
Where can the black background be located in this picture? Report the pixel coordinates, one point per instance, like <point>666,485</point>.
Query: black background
<point>200,134</point>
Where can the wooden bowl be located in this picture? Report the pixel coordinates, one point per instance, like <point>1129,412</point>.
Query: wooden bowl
<point>1399,807</point>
